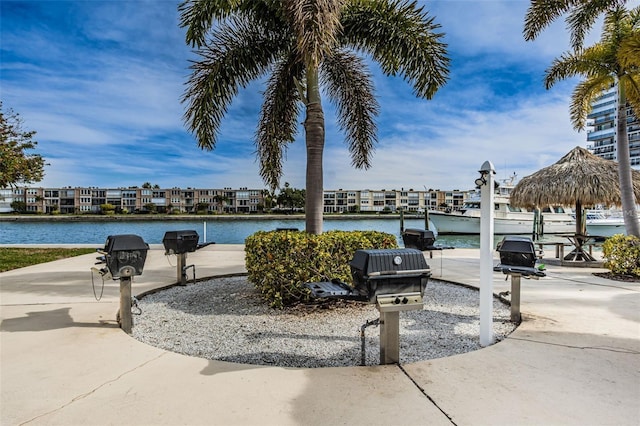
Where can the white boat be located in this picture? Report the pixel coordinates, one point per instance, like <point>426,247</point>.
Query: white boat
<point>507,219</point>
<point>605,223</point>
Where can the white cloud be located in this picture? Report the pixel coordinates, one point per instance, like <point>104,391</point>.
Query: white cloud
<point>102,88</point>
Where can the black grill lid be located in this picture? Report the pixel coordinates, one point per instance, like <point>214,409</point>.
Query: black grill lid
<point>124,242</point>
<point>388,261</point>
<point>516,245</point>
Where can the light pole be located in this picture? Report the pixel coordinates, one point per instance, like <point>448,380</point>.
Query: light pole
<point>486,184</point>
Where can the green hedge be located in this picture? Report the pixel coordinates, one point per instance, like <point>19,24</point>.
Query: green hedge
<point>280,262</point>
<point>622,254</point>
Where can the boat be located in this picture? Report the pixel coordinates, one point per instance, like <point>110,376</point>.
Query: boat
<point>508,220</point>
<point>605,223</point>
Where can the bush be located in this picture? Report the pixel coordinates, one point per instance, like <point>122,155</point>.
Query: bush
<point>280,262</point>
<point>622,254</point>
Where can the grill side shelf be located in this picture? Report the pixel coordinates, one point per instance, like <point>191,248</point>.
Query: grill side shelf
<point>333,289</point>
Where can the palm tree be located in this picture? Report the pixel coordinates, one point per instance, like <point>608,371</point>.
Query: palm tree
<point>303,45</point>
<point>611,61</point>
<point>220,200</point>
<point>581,15</point>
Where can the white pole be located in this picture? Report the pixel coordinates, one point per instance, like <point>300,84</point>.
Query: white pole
<point>204,239</point>
<point>486,253</point>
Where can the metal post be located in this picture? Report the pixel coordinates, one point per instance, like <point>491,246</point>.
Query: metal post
<point>182,273</point>
<point>126,321</point>
<point>389,337</point>
<point>401,221</point>
<point>515,298</point>
<point>487,172</point>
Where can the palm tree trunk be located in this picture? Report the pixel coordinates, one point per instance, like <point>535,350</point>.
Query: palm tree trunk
<point>631,224</point>
<point>314,134</point>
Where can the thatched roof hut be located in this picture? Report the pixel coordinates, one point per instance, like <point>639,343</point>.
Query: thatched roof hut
<point>579,178</point>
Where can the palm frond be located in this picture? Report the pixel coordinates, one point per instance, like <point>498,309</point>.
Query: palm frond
<point>632,90</point>
<point>316,24</point>
<point>581,15</point>
<point>584,14</point>
<point>239,52</point>
<point>349,85</point>
<point>402,38</point>
<point>542,13</point>
<point>278,119</point>
<point>200,15</point>
<point>597,60</point>
<point>629,52</point>
<point>583,94</point>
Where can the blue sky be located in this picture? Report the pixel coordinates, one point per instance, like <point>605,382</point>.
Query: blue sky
<point>101,82</point>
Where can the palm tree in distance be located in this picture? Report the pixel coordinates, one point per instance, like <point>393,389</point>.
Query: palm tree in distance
<point>614,60</point>
<point>581,15</point>
<point>303,45</point>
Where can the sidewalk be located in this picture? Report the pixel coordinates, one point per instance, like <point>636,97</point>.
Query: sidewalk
<point>575,360</point>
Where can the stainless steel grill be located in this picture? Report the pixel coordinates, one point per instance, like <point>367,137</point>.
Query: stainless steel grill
<point>394,279</point>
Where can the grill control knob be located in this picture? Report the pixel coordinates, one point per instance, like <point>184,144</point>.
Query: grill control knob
<point>397,301</point>
<point>405,300</point>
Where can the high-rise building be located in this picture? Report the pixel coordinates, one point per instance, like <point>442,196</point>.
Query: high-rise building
<point>601,139</point>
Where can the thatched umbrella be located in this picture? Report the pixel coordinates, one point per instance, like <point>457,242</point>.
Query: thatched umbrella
<point>579,178</point>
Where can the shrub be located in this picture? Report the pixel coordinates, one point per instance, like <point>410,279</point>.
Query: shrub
<point>622,254</point>
<point>280,262</point>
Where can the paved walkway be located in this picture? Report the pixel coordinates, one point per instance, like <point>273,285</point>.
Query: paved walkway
<point>575,360</point>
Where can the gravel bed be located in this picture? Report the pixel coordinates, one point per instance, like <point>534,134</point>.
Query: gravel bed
<point>225,319</point>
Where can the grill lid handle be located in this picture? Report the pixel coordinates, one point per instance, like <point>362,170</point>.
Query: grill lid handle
<point>405,272</point>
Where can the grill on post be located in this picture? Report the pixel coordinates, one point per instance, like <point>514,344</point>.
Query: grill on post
<point>517,259</point>
<point>518,255</point>
<point>180,243</point>
<point>393,279</point>
<point>421,239</point>
<point>124,256</point>
<point>390,271</point>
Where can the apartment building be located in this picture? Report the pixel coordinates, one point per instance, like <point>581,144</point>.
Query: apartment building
<point>79,200</point>
<point>601,139</point>
<point>349,201</point>
<point>92,200</point>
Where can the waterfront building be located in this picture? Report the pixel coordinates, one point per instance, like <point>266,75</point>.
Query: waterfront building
<point>379,201</point>
<point>601,138</point>
<point>81,200</point>
<point>92,200</point>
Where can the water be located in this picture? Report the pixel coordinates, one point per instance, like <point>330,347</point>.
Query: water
<point>219,231</point>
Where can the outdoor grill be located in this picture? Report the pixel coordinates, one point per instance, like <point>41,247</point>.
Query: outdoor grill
<point>517,255</point>
<point>389,271</point>
<point>517,259</point>
<point>421,239</point>
<point>125,255</point>
<point>179,242</point>
<point>393,279</point>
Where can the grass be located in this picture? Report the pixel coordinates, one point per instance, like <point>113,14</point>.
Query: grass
<point>14,258</point>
